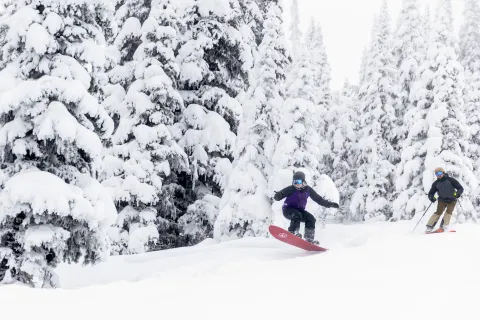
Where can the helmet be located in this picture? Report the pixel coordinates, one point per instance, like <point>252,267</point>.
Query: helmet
<point>299,180</point>
<point>299,175</point>
<point>439,172</point>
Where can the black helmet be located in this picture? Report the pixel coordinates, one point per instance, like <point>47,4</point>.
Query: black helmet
<point>299,175</point>
<point>299,180</point>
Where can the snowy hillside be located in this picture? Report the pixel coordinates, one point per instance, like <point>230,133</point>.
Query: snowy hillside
<point>373,271</point>
<point>150,144</point>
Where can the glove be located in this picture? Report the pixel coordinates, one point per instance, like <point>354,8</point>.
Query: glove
<point>278,195</point>
<point>431,198</point>
<point>334,205</point>
<point>457,194</point>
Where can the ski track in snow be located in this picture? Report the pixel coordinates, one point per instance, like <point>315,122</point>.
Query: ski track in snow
<point>373,271</point>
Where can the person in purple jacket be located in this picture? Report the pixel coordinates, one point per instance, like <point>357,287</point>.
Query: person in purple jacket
<point>294,206</point>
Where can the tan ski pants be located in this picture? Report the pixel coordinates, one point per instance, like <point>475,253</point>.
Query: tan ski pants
<point>440,208</point>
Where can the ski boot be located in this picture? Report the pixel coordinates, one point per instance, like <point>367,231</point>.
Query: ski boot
<point>296,233</point>
<point>429,229</point>
<point>310,236</point>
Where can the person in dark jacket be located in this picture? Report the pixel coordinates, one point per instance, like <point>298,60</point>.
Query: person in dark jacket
<point>449,190</point>
<point>294,206</point>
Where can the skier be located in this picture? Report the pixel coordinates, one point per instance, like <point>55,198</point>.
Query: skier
<point>294,206</point>
<point>449,190</point>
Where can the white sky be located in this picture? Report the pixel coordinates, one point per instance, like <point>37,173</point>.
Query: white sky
<point>346,26</point>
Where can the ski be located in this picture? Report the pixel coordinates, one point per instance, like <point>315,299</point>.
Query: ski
<point>440,231</point>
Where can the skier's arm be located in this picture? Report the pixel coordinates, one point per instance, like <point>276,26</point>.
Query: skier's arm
<point>432,191</point>
<point>457,186</point>
<point>321,201</point>
<point>279,195</point>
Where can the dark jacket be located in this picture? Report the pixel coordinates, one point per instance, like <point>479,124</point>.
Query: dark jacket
<point>298,198</point>
<point>446,189</point>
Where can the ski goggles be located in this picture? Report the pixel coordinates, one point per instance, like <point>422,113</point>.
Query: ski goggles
<point>439,173</point>
<point>299,181</point>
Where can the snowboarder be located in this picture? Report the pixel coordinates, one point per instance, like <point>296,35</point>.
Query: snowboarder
<point>449,190</point>
<point>294,206</point>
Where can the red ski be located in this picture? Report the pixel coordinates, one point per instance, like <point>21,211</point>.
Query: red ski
<point>289,238</point>
<point>440,231</point>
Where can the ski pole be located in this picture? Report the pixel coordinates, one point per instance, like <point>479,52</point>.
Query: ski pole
<point>422,216</point>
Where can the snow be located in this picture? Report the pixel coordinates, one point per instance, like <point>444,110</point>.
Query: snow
<point>44,192</point>
<point>37,39</point>
<point>53,23</point>
<point>372,271</point>
<point>190,115</point>
<point>44,234</point>
<point>220,8</point>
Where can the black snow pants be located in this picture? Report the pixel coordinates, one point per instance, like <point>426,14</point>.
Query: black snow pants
<point>296,216</point>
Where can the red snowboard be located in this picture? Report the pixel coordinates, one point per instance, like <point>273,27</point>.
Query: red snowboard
<point>289,238</point>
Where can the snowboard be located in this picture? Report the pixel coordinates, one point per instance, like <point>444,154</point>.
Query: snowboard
<point>289,238</point>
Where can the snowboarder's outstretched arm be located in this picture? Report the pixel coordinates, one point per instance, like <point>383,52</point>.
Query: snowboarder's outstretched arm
<point>284,193</point>
<point>318,199</point>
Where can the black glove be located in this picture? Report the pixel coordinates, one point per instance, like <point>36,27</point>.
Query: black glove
<point>458,194</point>
<point>431,198</point>
<point>278,195</point>
<point>333,205</point>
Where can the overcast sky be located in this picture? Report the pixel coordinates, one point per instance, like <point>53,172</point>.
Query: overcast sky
<point>346,28</point>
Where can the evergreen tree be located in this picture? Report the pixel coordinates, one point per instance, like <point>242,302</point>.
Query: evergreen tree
<point>377,94</point>
<point>145,160</point>
<point>469,57</point>
<point>363,66</point>
<point>215,59</point>
<point>302,140</point>
<point>409,49</point>
<point>436,125</point>
<point>53,62</point>
<point>344,125</point>
<point>245,207</point>
<point>130,15</point>
<point>295,32</point>
<point>320,64</point>
<point>302,143</point>
<point>253,17</point>
<point>321,89</point>
<point>427,25</point>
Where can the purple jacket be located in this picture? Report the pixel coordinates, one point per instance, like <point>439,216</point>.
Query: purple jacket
<point>298,198</point>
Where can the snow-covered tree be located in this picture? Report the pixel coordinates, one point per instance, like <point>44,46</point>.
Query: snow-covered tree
<point>45,221</point>
<point>302,140</point>
<point>377,95</point>
<point>427,24</point>
<point>130,15</point>
<point>295,31</point>
<point>215,58</point>
<point>245,207</point>
<point>253,18</point>
<point>344,125</point>
<point>321,66</point>
<point>437,134</point>
<point>144,161</point>
<point>409,49</point>
<point>469,57</point>
<point>363,66</point>
<point>302,144</point>
<point>53,60</point>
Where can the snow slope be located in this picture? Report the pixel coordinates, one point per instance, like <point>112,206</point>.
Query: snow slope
<point>373,271</point>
